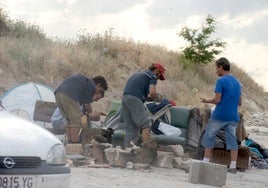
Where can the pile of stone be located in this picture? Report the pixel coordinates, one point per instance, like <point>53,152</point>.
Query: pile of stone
<point>98,154</point>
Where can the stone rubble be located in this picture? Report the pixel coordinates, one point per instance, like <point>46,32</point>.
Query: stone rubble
<point>104,155</point>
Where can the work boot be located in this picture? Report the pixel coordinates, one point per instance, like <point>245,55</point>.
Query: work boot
<point>145,134</point>
<point>151,144</point>
<point>107,133</point>
<point>231,170</point>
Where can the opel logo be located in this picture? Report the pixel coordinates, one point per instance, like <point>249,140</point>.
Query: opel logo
<point>8,162</point>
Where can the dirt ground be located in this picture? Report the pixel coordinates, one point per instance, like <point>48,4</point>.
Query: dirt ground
<point>160,177</point>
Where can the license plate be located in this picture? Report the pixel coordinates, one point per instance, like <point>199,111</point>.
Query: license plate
<point>10,181</point>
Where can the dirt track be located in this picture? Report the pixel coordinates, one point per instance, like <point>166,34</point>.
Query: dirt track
<point>160,177</point>
<point>157,178</point>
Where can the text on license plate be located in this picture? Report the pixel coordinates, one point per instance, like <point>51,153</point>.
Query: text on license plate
<point>10,181</point>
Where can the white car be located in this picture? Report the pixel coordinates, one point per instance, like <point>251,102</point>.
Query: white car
<point>30,156</point>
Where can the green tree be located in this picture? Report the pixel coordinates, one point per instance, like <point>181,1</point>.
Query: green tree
<point>201,49</point>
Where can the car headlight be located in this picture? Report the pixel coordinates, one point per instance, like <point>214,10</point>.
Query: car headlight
<point>56,155</point>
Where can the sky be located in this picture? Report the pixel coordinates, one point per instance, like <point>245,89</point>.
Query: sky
<point>242,24</point>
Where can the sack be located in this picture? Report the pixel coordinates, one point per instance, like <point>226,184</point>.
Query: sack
<point>265,153</point>
<point>57,120</point>
<point>169,130</point>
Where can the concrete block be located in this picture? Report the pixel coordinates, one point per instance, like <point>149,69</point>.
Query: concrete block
<point>207,173</point>
<point>194,171</point>
<point>213,174</point>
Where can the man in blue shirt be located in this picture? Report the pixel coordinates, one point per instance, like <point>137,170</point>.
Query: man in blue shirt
<point>225,115</point>
<point>138,87</point>
<point>73,92</point>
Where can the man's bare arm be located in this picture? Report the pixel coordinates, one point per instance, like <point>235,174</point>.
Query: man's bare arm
<point>215,100</point>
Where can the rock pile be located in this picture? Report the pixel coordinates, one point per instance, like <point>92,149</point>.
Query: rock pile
<point>102,154</point>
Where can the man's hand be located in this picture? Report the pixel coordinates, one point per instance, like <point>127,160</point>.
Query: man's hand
<point>203,100</point>
<point>215,100</point>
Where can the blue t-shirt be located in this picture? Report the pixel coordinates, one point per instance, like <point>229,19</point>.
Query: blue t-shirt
<point>230,89</point>
<point>79,88</point>
<point>138,84</point>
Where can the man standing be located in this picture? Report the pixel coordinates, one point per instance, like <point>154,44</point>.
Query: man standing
<point>227,99</point>
<point>138,87</point>
<point>73,92</point>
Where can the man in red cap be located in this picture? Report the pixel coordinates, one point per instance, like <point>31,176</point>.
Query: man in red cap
<point>138,87</point>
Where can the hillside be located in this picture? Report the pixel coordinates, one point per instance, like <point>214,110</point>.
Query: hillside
<point>26,54</point>
<point>52,63</point>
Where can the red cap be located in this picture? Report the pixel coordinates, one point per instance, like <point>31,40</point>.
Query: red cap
<point>161,68</point>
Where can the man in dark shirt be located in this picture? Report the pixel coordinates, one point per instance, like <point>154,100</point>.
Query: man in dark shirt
<point>138,87</point>
<point>71,94</point>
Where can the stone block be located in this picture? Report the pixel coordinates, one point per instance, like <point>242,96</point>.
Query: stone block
<point>110,154</point>
<point>95,150</point>
<point>181,163</point>
<point>118,157</point>
<point>73,149</point>
<point>122,157</point>
<point>77,159</point>
<point>144,155</point>
<point>178,150</point>
<point>141,166</point>
<point>90,134</point>
<point>165,159</point>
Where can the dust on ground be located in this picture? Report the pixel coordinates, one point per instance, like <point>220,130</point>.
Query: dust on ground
<point>83,177</point>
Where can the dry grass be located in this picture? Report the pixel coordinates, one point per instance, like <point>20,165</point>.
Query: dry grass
<point>49,62</point>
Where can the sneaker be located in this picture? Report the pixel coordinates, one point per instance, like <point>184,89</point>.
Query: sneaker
<point>231,170</point>
<point>241,170</point>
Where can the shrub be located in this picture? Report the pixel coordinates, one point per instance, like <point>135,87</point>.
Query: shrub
<point>201,49</point>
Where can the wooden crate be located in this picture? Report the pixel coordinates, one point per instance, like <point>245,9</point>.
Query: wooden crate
<point>221,156</point>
